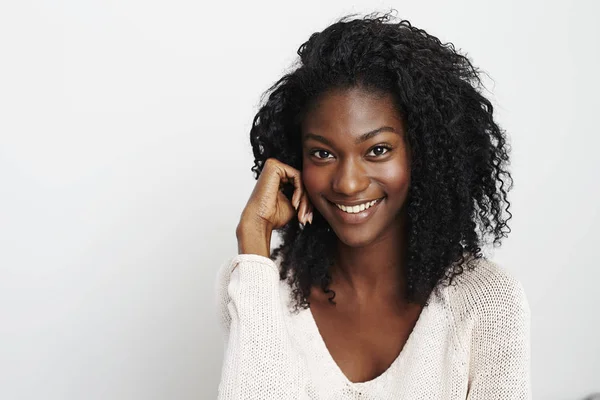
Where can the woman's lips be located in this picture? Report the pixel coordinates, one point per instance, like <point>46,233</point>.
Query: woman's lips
<point>355,218</point>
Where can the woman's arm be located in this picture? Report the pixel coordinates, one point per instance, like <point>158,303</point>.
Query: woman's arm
<point>259,362</point>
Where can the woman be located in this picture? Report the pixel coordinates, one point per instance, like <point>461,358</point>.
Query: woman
<point>379,162</point>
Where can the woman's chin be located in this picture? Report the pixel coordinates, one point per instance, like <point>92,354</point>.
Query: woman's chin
<point>356,237</point>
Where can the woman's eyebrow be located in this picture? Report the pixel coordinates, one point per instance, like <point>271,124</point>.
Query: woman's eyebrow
<point>362,138</point>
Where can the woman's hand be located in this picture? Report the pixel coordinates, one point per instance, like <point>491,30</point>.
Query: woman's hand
<point>268,208</point>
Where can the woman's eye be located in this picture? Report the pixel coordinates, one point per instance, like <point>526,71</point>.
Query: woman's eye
<point>377,150</point>
<point>386,148</point>
<point>320,151</point>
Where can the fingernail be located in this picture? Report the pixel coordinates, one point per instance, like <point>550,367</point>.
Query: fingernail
<point>310,217</point>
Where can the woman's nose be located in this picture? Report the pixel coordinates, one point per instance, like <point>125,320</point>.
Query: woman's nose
<point>350,178</point>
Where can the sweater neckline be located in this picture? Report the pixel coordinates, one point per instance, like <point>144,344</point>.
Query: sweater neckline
<point>324,354</point>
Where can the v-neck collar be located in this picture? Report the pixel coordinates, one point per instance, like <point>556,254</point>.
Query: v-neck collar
<point>323,353</point>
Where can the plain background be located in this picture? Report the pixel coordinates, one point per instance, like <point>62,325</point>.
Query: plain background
<point>125,163</point>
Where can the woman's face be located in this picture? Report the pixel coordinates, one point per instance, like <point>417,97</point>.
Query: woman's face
<point>341,165</point>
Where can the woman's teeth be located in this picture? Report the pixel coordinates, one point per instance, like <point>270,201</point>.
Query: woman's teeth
<point>358,208</point>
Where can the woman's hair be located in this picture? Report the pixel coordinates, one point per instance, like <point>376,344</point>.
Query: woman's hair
<point>459,153</point>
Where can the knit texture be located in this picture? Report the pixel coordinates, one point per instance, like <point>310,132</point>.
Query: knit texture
<point>471,342</point>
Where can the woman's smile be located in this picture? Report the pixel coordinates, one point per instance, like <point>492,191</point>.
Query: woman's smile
<point>352,215</point>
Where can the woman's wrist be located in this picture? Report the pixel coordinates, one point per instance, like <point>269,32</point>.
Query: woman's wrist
<point>253,240</point>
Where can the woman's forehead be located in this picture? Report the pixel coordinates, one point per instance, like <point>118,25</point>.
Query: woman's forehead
<point>352,112</point>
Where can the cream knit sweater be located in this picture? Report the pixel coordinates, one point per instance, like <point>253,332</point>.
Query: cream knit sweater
<point>471,342</point>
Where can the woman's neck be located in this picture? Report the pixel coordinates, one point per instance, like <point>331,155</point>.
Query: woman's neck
<point>372,271</point>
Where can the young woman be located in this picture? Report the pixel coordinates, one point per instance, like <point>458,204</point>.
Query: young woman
<point>380,164</point>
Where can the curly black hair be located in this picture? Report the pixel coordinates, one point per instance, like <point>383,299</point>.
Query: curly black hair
<point>459,176</point>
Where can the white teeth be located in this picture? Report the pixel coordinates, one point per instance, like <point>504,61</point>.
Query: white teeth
<point>356,209</point>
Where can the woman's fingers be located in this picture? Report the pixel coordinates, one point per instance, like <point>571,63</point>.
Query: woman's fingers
<point>300,200</point>
<point>292,175</point>
<point>309,207</point>
<point>305,209</point>
<point>299,197</point>
<point>309,210</point>
<point>302,209</point>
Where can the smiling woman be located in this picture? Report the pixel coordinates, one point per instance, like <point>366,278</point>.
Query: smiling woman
<point>379,162</point>
<point>354,172</point>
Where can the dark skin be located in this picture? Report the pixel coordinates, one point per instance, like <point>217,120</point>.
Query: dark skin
<point>368,327</point>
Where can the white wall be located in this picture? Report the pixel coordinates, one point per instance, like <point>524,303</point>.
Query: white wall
<point>125,162</point>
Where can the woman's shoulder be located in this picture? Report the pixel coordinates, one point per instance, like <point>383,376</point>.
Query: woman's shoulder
<point>486,287</point>
<point>492,323</point>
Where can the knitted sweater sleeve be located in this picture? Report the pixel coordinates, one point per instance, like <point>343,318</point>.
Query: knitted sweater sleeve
<point>258,361</point>
<point>500,340</point>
